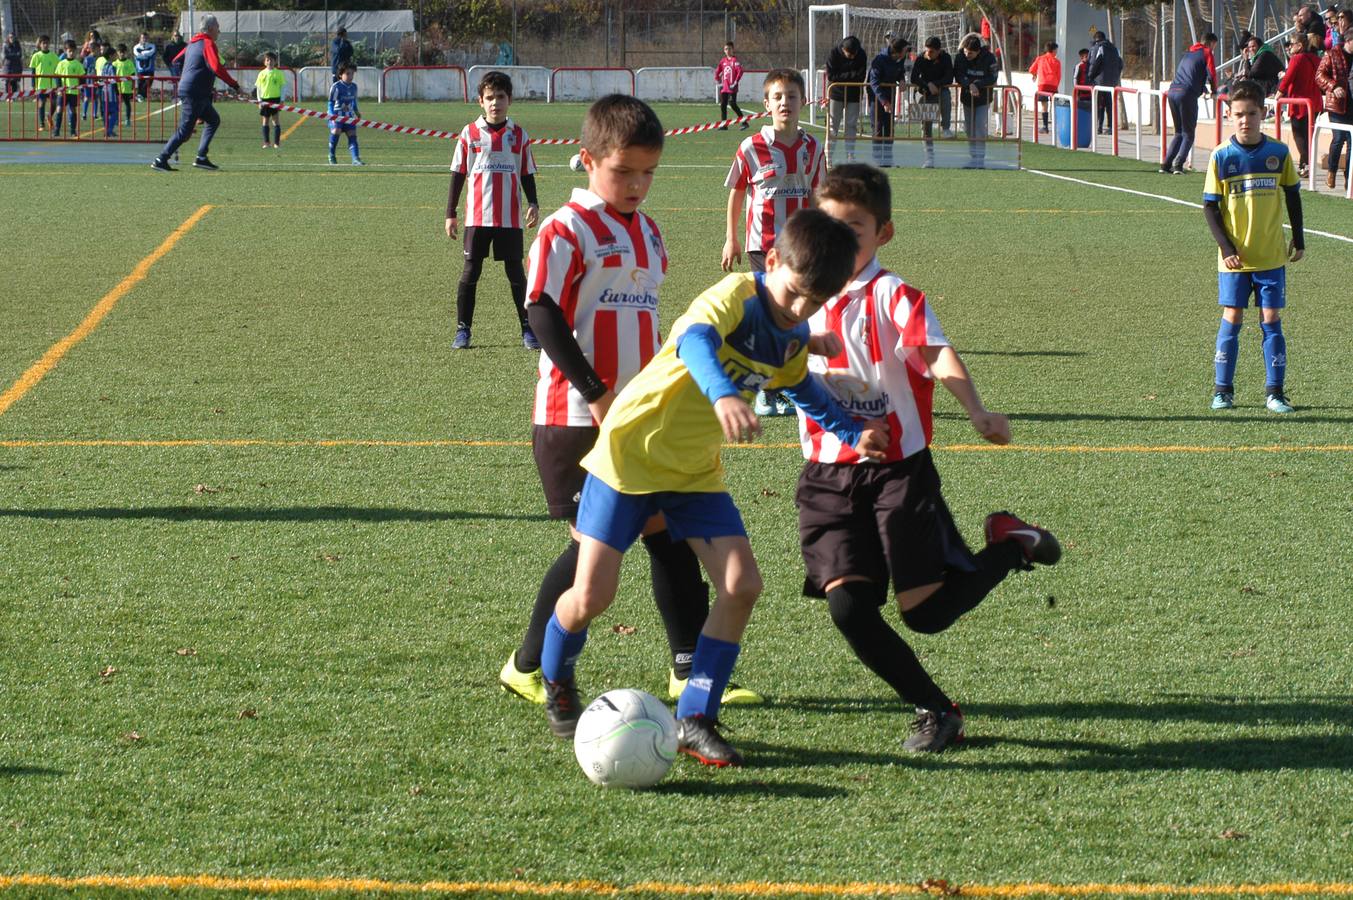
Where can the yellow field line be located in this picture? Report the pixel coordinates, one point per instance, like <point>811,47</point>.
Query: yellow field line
<point>297,124</point>
<point>96,315</point>
<point>20,444</point>
<point>743,888</point>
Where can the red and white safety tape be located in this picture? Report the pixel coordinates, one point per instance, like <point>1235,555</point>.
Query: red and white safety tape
<point>451,135</point>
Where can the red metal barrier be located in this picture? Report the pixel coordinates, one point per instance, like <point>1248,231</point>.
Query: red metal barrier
<point>151,121</point>
<point>1118,92</point>
<point>464,78</point>
<point>1293,101</point>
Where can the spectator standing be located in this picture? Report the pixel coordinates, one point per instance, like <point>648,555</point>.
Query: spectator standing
<point>931,75</point>
<point>13,63</point>
<point>1332,78</point>
<point>727,75</point>
<point>144,56</point>
<point>1332,30</point>
<point>846,71</point>
<point>91,44</point>
<point>1307,21</point>
<point>1047,73</point>
<point>1196,74</point>
<point>975,71</point>
<point>340,53</point>
<point>887,75</point>
<point>1106,70</point>
<point>1080,77</point>
<point>1299,83</point>
<point>171,52</point>
<point>201,67</point>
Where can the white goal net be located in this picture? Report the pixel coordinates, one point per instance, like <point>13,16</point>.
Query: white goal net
<point>827,25</point>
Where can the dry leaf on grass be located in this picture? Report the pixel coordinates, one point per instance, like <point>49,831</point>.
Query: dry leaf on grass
<point>248,714</point>
<point>185,651</point>
<point>939,886</point>
<point>205,489</point>
<point>1230,834</point>
<point>329,557</point>
<point>623,629</point>
<point>107,672</point>
<point>132,737</point>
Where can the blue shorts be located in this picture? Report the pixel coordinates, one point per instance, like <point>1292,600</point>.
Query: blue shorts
<point>617,519</point>
<point>1269,288</point>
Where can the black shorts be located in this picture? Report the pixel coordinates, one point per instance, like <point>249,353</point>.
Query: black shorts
<point>506,242</point>
<point>265,111</point>
<point>558,450</point>
<point>757,260</point>
<point>878,521</point>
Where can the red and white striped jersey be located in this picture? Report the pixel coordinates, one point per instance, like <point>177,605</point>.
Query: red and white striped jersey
<point>493,163</point>
<point>778,179</point>
<point>883,322</point>
<point>604,273</point>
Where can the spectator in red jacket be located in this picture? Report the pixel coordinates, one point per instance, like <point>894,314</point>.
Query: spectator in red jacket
<point>1299,83</point>
<point>1047,73</point>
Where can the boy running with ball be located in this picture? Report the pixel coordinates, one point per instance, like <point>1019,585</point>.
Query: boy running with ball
<point>864,526</point>
<point>1249,179</point>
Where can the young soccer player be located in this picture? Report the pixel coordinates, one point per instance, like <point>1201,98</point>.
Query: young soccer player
<point>862,526</point>
<point>1248,179</point>
<point>43,62</point>
<point>108,71</point>
<point>774,173</point>
<point>70,68</point>
<point>492,154</point>
<point>343,102</point>
<point>727,75</point>
<point>658,452</point>
<point>595,272</point>
<point>126,85</point>
<point>268,88</point>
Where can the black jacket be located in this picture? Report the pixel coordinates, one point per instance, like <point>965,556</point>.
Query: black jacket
<point>841,68</point>
<point>1265,68</point>
<point>980,71</point>
<point>938,71</point>
<point>13,57</point>
<point>1106,65</point>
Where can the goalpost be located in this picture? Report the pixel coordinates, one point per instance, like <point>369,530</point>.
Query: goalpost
<point>827,25</point>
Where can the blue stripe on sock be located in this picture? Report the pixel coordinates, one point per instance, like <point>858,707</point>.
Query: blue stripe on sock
<point>711,669</point>
<point>561,651</point>
<point>1275,355</point>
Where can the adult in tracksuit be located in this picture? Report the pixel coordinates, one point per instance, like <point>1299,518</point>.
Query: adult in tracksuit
<point>1106,70</point>
<point>975,71</point>
<point>201,67</point>
<point>847,65</point>
<point>1196,73</point>
<point>887,78</point>
<point>144,55</point>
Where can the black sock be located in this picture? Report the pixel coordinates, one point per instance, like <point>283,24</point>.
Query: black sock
<point>962,591</point>
<point>558,579</point>
<point>465,293</point>
<point>855,610</point>
<point>516,281</point>
<point>277,135</point>
<point>681,595</point>
<point>265,134</point>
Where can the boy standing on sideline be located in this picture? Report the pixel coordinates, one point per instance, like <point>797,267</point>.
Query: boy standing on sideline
<point>343,102</point>
<point>774,172</point>
<point>143,54</point>
<point>887,75</point>
<point>598,325</point>
<point>70,68</point>
<point>42,63</point>
<point>494,155</point>
<point>658,452</point>
<point>864,526</point>
<point>1248,180</point>
<point>13,59</point>
<point>931,75</point>
<point>201,67</point>
<point>975,71</point>
<point>1047,73</point>
<point>109,90</point>
<point>268,87</point>
<point>727,75</point>
<point>125,68</point>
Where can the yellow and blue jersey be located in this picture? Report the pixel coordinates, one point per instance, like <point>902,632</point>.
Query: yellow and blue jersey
<point>1249,184</point>
<point>661,433</point>
<point>343,102</point>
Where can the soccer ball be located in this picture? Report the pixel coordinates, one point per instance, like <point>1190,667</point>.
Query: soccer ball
<point>626,738</point>
<point>576,163</point>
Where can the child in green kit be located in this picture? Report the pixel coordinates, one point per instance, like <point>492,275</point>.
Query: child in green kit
<point>268,87</point>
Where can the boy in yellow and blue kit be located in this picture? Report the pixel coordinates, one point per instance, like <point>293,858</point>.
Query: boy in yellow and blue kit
<point>658,451</point>
<point>1248,180</point>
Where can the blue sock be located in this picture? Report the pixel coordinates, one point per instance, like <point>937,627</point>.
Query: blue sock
<point>1228,344</point>
<point>710,670</point>
<point>333,143</point>
<point>561,651</point>
<point>352,145</point>
<point>1275,356</point>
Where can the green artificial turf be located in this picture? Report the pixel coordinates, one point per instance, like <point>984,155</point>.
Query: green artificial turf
<point>280,658</point>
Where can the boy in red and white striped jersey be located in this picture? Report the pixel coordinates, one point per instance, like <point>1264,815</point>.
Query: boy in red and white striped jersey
<point>861,526</point>
<point>774,173</point>
<point>595,269</point>
<point>494,157</point>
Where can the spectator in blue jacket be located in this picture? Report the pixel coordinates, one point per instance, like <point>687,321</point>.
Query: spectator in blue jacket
<point>201,67</point>
<point>171,52</point>
<point>887,80</point>
<point>340,53</point>
<point>1196,74</point>
<point>1106,70</point>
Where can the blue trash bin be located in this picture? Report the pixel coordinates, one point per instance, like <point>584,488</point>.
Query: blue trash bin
<point>1062,121</point>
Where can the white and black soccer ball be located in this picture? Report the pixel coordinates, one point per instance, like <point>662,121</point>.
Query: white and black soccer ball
<point>626,738</point>
<point>576,163</point>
